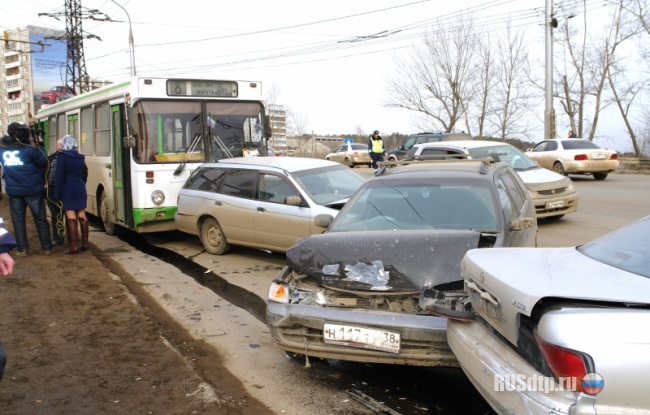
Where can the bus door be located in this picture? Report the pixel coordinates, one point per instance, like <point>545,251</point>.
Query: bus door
<point>120,171</point>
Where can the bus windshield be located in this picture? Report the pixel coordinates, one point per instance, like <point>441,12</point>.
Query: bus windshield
<point>173,131</point>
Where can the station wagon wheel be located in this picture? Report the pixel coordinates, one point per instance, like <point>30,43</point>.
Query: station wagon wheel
<point>559,168</point>
<point>600,176</point>
<point>213,239</point>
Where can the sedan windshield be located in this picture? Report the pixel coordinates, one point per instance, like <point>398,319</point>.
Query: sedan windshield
<point>421,205</point>
<point>627,249</point>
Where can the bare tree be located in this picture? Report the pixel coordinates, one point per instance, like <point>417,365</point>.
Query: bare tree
<point>511,100</point>
<point>485,82</point>
<point>436,82</point>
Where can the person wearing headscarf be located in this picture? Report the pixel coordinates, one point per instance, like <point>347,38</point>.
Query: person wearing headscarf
<point>70,189</point>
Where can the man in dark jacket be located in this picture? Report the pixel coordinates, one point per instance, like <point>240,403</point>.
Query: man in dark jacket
<point>23,162</point>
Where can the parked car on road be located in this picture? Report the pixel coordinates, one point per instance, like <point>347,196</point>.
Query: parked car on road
<point>554,195</point>
<point>56,94</point>
<point>574,156</point>
<point>365,290</point>
<point>273,152</point>
<point>351,155</point>
<point>398,153</point>
<point>261,202</point>
<point>560,330</point>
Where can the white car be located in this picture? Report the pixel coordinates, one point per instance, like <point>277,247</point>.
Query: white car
<point>554,195</point>
<point>574,156</point>
<point>560,330</point>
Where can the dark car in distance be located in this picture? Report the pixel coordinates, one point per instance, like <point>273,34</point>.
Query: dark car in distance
<point>398,153</point>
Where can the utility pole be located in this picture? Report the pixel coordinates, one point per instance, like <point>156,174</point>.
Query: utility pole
<point>549,112</point>
<point>76,76</point>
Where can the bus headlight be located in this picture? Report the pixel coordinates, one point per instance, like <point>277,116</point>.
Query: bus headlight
<point>158,197</point>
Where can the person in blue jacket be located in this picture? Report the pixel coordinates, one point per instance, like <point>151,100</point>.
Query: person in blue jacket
<point>70,189</point>
<point>7,243</point>
<point>23,162</point>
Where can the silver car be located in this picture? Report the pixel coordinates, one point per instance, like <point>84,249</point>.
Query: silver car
<point>560,330</point>
<point>351,155</point>
<point>553,194</point>
<point>262,202</point>
<point>366,290</point>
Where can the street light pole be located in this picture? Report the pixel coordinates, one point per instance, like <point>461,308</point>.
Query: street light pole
<point>131,47</point>
<point>549,113</point>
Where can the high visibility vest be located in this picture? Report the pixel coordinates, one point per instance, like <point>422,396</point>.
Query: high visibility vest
<point>377,146</point>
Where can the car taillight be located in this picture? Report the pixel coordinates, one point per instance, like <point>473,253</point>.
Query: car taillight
<point>580,157</point>
<point>355,154</point>
<point>569,366</point>
<point>613,157</point>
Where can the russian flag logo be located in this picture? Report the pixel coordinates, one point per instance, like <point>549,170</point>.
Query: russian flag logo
<point>592,383</point>
<point>210,122</point>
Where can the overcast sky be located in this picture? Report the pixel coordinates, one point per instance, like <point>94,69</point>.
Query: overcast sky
<point>329,61</point>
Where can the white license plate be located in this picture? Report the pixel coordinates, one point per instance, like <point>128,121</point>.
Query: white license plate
<point>554,205</point>
<point>386,341</point>
<point>599,156</point>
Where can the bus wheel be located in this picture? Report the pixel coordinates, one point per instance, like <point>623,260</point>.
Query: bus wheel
<point>104,212</point>
<point>212,237</point>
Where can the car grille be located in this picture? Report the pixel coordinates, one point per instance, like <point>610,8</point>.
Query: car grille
<point>551,192</point>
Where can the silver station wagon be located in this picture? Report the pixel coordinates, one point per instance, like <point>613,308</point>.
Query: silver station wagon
<point>262,202</point>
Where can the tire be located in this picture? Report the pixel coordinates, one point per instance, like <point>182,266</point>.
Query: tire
<point>212,237</point>
<point>556,217</point>
<point>559,168</point>
<point>57,99</point>
<point>347,162</point>
<point>600,176</point>
<point>105,215</point>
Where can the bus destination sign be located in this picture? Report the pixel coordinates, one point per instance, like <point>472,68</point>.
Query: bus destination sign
<point>195,88</point>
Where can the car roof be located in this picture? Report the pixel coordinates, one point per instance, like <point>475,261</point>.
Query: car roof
<point>450,169</point>
<point>463,144</point>
<point>285,163</point>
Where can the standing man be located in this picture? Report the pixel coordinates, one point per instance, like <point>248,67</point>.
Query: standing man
<point>376,149</point>
<point>23,162</point>
<point>572,134</point>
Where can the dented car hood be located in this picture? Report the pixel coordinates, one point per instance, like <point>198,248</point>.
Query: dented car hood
<point>401,261</point>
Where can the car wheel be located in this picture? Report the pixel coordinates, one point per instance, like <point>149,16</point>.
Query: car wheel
<point>348,163</point>
<point>105,215</point>
<point>559,169</point>
<point>212,237</point>
<point>556,217</point>
<point>600,176</point>
<point>57,99</point>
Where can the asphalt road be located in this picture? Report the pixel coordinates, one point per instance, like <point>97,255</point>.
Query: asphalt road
<point>230,320</point>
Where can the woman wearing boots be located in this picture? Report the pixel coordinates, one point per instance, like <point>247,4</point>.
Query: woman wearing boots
<point>70,189</point>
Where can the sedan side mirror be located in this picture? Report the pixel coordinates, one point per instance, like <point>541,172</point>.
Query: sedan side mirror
<point>323,220</point>
<point>293,201</point>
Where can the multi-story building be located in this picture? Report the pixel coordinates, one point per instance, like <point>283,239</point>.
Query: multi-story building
<point>278,119</point>
<point>30,57</point>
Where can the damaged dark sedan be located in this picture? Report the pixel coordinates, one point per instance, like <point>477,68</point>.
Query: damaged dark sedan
<point>374,286</point>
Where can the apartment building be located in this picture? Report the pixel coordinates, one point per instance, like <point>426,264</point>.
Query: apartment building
<point>32,60</point>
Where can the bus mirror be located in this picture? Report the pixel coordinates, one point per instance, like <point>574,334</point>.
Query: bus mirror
<point>268,133</point>
<point>128,141</point>
<point>132,119</point>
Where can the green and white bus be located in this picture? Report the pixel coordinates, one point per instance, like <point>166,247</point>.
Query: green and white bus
<point>144,136</point>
